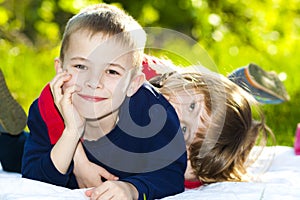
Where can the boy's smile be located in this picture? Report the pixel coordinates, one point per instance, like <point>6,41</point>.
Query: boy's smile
<point>91,98</point>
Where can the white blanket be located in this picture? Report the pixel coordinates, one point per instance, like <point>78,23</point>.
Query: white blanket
<point>280,181</point>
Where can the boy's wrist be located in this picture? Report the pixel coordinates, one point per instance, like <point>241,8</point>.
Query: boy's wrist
<point>73,133</point>
<point>134,192</point>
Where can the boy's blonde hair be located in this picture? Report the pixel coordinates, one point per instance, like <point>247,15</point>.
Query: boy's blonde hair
<point>227,131</point>
<point>110,21</point>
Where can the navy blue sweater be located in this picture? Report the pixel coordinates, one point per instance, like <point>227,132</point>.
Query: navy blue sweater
<point>146,148</point>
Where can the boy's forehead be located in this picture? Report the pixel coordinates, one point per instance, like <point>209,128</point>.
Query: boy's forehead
<point>98,47</point>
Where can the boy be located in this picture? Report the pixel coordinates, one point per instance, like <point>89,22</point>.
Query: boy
<point>99,99</point>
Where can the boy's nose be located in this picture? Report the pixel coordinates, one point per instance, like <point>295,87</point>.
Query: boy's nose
<point>95,82</point>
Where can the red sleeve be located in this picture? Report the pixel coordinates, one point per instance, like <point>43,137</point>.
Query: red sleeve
<point>50,115</point>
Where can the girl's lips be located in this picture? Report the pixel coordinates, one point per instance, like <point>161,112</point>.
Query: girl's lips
<point>91,98</point>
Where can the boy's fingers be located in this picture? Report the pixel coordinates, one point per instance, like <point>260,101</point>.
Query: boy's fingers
<point>57,83</point>
<point>89,192</point>
<point>70,90</point>
<point>57,78</point>
<point>99,191</point>
<point>95,192</point>
<point>68,93</point>
<point>105,174</point>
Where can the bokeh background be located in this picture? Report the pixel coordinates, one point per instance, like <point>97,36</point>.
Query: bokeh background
<point>232,32</point>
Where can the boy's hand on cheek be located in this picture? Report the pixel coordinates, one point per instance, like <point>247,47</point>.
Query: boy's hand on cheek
<point>56,87</point>
<point>63,101</point>
<point>72,119</point>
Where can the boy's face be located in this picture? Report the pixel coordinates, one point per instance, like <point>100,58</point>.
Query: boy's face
<point>103,69</point>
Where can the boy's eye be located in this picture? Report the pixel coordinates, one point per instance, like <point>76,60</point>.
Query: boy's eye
<point>192,106</point>
<point>112,72</point>
<point>80,67</point>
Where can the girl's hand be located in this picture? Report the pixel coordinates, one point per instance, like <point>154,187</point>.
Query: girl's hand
<point>113,190</point>
<point>63,101</point>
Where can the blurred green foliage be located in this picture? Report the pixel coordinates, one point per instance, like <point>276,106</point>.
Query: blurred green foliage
<point>233,32</point>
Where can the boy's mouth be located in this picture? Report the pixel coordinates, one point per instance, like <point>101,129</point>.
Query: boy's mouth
<point>91,98</point>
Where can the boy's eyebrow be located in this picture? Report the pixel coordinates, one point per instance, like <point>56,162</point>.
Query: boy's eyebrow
<point>117,65</point>
<point>80,58</point>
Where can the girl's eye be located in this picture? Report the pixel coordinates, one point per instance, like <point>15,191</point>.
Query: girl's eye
<point>192,106</point>
<point>112,72</point>
<point>183,129</point>
<point>80,67</point>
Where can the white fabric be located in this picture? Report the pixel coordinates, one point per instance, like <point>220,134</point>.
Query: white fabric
<point>280,181</point>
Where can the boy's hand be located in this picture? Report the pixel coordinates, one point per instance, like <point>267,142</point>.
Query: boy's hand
<point>63,101</point>
<point>87,173</point>
<point>113,190</point>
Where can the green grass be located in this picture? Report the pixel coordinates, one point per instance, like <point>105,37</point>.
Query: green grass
<point>27,70</point>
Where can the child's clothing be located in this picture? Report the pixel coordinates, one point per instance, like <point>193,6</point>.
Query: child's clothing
<point>46,127</point>
<point>12,123</point>
<point>266,87</point>
<point>192,184</point>
<point>11,151</point>
<point>12,116</point>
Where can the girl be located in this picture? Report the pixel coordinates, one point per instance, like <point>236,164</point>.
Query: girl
<point>216,119</point>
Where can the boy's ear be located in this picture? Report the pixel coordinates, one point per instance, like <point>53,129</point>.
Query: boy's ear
<point>135,84</point>
<point>57,65</point>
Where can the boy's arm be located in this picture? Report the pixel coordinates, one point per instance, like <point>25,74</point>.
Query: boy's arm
<point>63,151</point>
<point>55,155</point>
<point>152,185</point>
<point>36,162</point>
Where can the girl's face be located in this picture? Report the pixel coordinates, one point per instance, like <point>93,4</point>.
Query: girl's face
<point>189,107</point>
